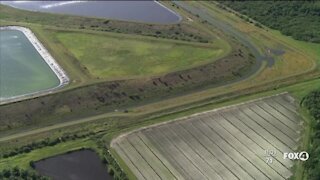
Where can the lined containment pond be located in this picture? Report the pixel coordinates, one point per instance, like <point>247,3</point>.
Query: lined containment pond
<point>23,69</point>
<point>140,11</point>
<point>78,165</point>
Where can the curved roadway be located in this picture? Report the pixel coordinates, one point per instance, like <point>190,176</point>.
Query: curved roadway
<point>228,29</point>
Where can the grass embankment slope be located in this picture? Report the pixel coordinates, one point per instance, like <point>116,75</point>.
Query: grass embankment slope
<point>291,61</point>
<point>115,56</point>
<point>269,77</point>
<point>81,102</point>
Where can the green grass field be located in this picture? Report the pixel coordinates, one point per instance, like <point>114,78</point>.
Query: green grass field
<point>114,56</point>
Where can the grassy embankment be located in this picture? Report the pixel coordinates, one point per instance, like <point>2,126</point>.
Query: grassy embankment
<point>114,56</point>
<point>276,73</point>
<point>63,54</point>
<point>293,61</point>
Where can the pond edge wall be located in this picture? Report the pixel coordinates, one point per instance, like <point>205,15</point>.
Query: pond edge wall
<point>46,56</point>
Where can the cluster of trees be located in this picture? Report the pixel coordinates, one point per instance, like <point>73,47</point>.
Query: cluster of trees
<point>299,19</point>
<point>45,142</point>
<point>312,103</point>
<point>16,173</point>
<point>114,168</point>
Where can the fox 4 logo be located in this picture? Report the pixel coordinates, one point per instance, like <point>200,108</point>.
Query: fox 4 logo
<point>302,156</point>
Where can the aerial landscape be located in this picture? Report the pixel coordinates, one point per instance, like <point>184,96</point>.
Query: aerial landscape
<point>159,90</point>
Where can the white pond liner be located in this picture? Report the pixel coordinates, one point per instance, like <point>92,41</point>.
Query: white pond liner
<point>55,67</point>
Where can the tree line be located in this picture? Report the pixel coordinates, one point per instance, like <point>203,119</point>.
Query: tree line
<point>312,103</point>
<point>43,143</point>
<point>17,174</point>
<point>299,19</point>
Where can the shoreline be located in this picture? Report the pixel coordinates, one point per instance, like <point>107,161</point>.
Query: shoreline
<point>170,10</point>
<point>46,56</point>
<point>180,18</point>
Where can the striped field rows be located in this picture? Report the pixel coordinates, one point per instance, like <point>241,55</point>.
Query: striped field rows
<point>228,143</point>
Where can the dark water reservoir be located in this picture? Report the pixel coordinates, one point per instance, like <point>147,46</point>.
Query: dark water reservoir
<point>140,11</point>
<point>78,165</point>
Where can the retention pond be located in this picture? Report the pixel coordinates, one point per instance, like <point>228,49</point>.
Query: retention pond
<point>146,11</point>
<point>26,68</point>
<point>77,165</point>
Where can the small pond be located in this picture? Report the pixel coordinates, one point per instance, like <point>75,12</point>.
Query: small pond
<point>146,11</point>
<point>77,165</point>
<point>22,69</point>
